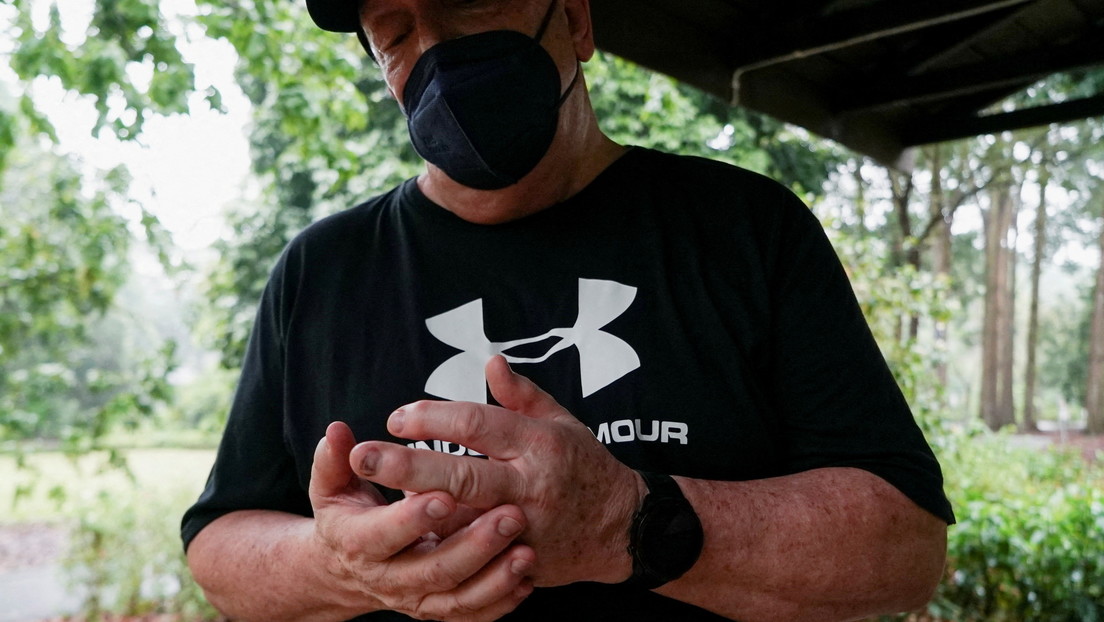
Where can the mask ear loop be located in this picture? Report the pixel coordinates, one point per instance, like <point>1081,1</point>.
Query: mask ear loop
<point>571,87</point>
<point>540,35</point>
<point>547,20</point>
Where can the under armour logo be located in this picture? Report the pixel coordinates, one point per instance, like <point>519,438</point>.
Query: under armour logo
<point>603,358</point>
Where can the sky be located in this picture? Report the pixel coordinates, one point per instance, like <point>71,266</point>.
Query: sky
<point>186,169</point>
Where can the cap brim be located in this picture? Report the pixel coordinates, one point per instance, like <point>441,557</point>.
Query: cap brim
<point>335,15</point>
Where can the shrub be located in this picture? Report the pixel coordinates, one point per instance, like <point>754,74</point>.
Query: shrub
<point>125,555</point>
<point>1029,543</point>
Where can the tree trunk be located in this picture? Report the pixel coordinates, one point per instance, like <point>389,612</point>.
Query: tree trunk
<point>902,193</point>
<point>941,250</point>
<point>1006,328</point>
<point>1094,395</point>
<point>860,196</point>
<point>988,397</point>
<point>1028,423</point>
<point>995,410</point>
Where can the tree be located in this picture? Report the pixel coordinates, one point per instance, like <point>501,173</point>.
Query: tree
<point>941,216</point>
<point>1029,420</point>
<point>1046,155</point>
<point>1094,391</point>
<point>639,107</point>
<point>64,250</point>
<point>999,322</point>
<point>1064,347</point>
<point>63,258</point>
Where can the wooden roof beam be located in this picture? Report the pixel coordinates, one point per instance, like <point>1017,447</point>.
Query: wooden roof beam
<point>821,35</point>
<point>1014,71</point>
<point>940,129</point>
<point>791,99</point>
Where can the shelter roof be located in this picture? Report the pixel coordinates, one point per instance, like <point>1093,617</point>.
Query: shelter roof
<point>878,76</point>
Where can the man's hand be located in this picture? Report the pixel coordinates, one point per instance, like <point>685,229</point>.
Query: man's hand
<point>388,557</point>
<point>577,497</point>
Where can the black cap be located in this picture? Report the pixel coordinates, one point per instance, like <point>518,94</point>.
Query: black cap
<point>335,15</point>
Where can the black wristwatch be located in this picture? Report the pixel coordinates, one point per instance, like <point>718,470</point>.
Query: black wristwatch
<point>666,536</point>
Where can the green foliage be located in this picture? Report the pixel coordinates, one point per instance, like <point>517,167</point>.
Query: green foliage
<point>640,107</point>
<point>123,554</point>
<point>326,135</point>
<point>889,298</point>
<point>235,283</point>
<point>1065,345</point>
<point>64,255</point>
<point>200,407</point>
<point>126,38</point>
<point>62,258</point>
<point>152,577</point>
<point>1027,544</point>
<point>64,247</point>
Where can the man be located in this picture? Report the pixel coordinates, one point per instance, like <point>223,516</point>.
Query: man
<point>705,429</point>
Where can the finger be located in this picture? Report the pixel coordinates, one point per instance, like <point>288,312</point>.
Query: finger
<point>330,472</point>
<point>497,589</point>
<point>383,532</point>
<point>516,392</point>
<point>489,430</point>
<point>471,481</point>
<point>463,555</point>
<point>461,518</point>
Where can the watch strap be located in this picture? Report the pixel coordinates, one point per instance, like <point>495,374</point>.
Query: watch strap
<point>660,484</point>
<point>666,537</point>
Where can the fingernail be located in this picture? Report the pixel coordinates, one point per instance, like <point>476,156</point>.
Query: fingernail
<point>521,566</point>
<point>508,527</point>
<point>437,509</point>
<point>395,422</point>
<point>370,461</point>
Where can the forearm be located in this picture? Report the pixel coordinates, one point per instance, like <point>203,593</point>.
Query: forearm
<point>829,544</point>
<point>260,565</point>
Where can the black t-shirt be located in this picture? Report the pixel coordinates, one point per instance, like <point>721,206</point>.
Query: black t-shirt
<point>692,314</point>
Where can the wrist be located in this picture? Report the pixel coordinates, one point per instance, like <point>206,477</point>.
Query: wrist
<point>614,564</point>
<point>335,580</point>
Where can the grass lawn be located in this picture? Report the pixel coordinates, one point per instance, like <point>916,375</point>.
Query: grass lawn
<point>54,484</point>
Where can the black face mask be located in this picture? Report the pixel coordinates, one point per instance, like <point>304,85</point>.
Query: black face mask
<point>484,108</point>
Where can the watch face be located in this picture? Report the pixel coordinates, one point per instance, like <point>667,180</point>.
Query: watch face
<point>670,538</point>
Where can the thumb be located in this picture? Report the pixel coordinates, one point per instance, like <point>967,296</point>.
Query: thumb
<point>518,393</point>
<point>331,473</point>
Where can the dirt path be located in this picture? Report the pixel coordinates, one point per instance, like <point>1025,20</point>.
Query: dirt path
<point>32,586</point>
<point>28,545</point>
<point>1091,447</point>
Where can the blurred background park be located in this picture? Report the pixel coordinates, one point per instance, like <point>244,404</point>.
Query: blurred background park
<point>156,156</point>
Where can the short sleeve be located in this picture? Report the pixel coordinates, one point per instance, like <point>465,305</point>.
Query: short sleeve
<point>839,402</point>
<point>254,468</point>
